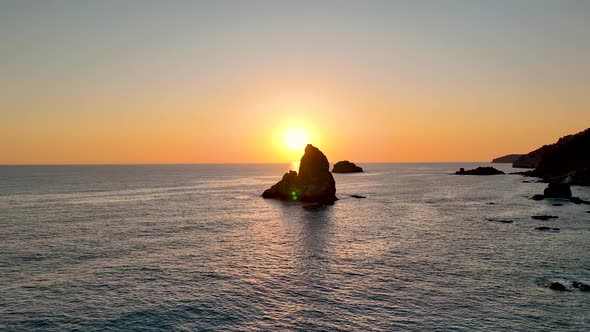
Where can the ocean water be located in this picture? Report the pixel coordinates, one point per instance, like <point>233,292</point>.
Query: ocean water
<point>195,248</point>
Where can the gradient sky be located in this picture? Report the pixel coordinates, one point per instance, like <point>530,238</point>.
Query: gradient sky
<point>221,81</point>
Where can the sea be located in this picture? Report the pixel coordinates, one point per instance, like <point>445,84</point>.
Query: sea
<point>196,248</point>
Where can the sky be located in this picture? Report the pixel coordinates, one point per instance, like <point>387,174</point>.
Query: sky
<point>107,82</point>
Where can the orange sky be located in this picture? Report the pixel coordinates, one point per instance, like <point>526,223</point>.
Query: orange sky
<point>205,84</point>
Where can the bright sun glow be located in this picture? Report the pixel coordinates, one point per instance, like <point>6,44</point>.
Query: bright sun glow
<point>296,139</point>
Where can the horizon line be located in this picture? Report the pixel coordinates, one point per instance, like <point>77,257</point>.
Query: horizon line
<point>240,163</point>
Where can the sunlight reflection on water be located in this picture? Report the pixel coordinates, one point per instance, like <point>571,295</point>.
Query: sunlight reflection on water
<point>197,248</point>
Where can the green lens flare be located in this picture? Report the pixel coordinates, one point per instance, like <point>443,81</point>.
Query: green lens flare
<point>294,197</point>
<point>293,193</point>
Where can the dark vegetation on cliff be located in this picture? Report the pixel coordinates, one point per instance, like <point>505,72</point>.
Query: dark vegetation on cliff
<point>566,160</point>
<point>507,159</point>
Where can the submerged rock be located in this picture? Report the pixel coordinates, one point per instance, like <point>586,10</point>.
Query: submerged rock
<point>479,171</point>
<point>578,200</point>
<point>581,286</point>
<point>346,166</point>
<point>358,196</point>
<point>543,228</point>
<point>505,221</point>
<point>575,200</point>
<point>544,217</point>
<point>555,285</point>
<point>314,183</point>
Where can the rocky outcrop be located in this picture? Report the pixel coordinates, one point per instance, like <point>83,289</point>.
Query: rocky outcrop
<point>566,160</point>
<point>507,159</point>
<point>314,183</point>
<point>558,190</point>
<point>479,171</point>
<point>346,166</point>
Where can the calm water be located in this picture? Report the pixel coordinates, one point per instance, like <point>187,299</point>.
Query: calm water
<point>194,247</point>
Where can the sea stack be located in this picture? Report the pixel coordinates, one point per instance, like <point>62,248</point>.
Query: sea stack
<point>314,183</point>
<point>346,166</point>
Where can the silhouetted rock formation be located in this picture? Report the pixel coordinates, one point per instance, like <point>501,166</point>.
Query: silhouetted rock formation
<point>567,160</point>
<point>507,159</point>
<point>314,183</point>
<point>346,166</point>
<point>558,190</point>
<point>479,171</point>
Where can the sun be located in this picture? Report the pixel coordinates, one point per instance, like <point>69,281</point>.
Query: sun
<point>296,139</point>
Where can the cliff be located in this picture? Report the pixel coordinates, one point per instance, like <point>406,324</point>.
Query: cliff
<point>507,159</point>
<point>568,158</point>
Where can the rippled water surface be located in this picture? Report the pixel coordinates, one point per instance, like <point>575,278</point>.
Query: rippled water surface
<point>195,247</point>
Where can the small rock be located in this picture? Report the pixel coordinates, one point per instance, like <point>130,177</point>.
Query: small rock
<point>581,286</point>
<point>491,203</point>
<point>358,196</point>
<point>346,166</point>
<point>556,286</point>
<point>538,197</point>
<point>526,181</point>
<point>544,217</point>
<point>557,204</point>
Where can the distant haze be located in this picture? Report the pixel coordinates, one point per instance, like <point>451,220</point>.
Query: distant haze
<point>222,81</point>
